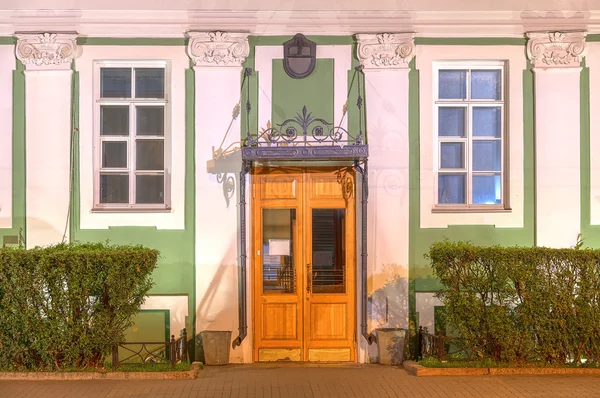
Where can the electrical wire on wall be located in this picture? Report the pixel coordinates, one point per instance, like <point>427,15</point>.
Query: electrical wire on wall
<point>74,131</point>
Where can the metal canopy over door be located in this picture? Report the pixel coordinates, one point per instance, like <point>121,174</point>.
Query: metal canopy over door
<point>304,265</point>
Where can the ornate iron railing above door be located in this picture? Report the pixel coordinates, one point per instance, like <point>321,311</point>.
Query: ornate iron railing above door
<point>306,136</point>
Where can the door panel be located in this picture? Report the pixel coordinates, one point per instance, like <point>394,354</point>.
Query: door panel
<point>286,326</point>
<point>304,264</point>
<point>328,321</point>
<point>277,254</point>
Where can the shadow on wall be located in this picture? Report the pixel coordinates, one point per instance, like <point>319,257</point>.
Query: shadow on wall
<point>388,304</point>
<point>226,165</point>
<point>217,309</point>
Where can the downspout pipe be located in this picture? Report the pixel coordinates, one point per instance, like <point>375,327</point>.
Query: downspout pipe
<point>364,171</point>
<point>242,308</point>
<point>246,167</point>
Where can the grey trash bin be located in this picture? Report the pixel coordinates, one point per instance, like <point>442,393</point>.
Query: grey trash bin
<point>215,345</point>
<point>390,345</point>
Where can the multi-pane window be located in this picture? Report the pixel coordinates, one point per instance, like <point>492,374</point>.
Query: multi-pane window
<point>470,112</point>
<point>131,114</point>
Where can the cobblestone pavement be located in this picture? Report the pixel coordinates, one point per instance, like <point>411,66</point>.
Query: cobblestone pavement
<point>313,381</point>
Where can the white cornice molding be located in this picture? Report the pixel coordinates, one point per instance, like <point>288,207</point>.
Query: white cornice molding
<point>556,49</point>
<point>174,23</point>
<point>218,48</point>
<point>385,50</point>
<point>46,50</point>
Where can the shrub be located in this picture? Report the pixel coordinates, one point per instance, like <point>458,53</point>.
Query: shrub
<point>65,306</point>
<point>522,304</point>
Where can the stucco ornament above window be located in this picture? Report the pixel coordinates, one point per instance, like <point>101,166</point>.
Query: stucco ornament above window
<point>218,48</point>
<point>556,49</point>
<point>385,50</point>
<point>46,48</point>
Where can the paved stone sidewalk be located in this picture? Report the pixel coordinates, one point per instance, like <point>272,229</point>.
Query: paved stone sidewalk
<point>313,381</point>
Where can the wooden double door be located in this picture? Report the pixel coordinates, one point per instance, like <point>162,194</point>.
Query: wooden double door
<point>304,264</point>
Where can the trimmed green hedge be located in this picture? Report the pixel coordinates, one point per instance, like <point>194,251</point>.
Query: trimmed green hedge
<point>65,306</point>
<point>520,304</point>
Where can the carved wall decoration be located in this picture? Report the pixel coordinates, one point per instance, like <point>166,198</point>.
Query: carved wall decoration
<point>385,50</point>
<point>218,48</point>
<point>46,48</point>
<point>556,49</point>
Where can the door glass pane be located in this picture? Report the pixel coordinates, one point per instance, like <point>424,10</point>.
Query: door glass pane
<point>486,84</point>
<point>451,122</point>
<point>328,251</point>
<point>279,270</point>
<point>451,189</point>
<point>452,84</point>
<point>452,155</point>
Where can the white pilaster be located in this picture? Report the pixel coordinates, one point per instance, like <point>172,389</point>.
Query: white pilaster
<point>556,60</point>
<point>218,58</point>
<point>385,59</point>
<point>47,58</point>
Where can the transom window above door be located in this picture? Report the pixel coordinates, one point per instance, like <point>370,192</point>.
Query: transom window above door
<point>469,114</point>
<point>132,135</point>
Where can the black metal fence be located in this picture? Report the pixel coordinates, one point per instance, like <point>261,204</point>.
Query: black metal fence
<point>151,352</point>
<point>444,348</point>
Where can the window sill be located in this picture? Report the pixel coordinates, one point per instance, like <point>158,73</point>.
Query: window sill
<point>131,210</point>
<point>452,209</point>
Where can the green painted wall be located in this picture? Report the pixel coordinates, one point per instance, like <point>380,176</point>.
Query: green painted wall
<point>145,326</point>
<point>315,91</point>
<point>134,41</point>
<point>148,326</point>
<point>175,274</point>
<point>589,233</point>
<point>16,234</point>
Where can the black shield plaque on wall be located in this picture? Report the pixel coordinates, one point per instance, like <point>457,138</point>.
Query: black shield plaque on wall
<point>299,56</point>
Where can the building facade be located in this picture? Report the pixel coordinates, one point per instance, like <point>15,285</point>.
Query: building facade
<point>294,166</point>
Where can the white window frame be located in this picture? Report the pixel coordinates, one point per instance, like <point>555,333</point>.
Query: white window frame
<point>468,139</point>
<point>516,64</point>
<point>172,218</point>
<point>132,138</point>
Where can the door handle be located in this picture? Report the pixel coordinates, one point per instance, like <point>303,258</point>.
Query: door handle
<point>308,279</point>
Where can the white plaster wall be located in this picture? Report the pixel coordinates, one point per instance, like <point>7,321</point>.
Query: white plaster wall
<point>217,92</point>
<point>388,208</point>
<point>557,160</point>
<point>425,307</point>
<point>178,311</point>
<point>48,134</point>
<point>7,65</point>
<point>515,55</point>
<point>175,169</point>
